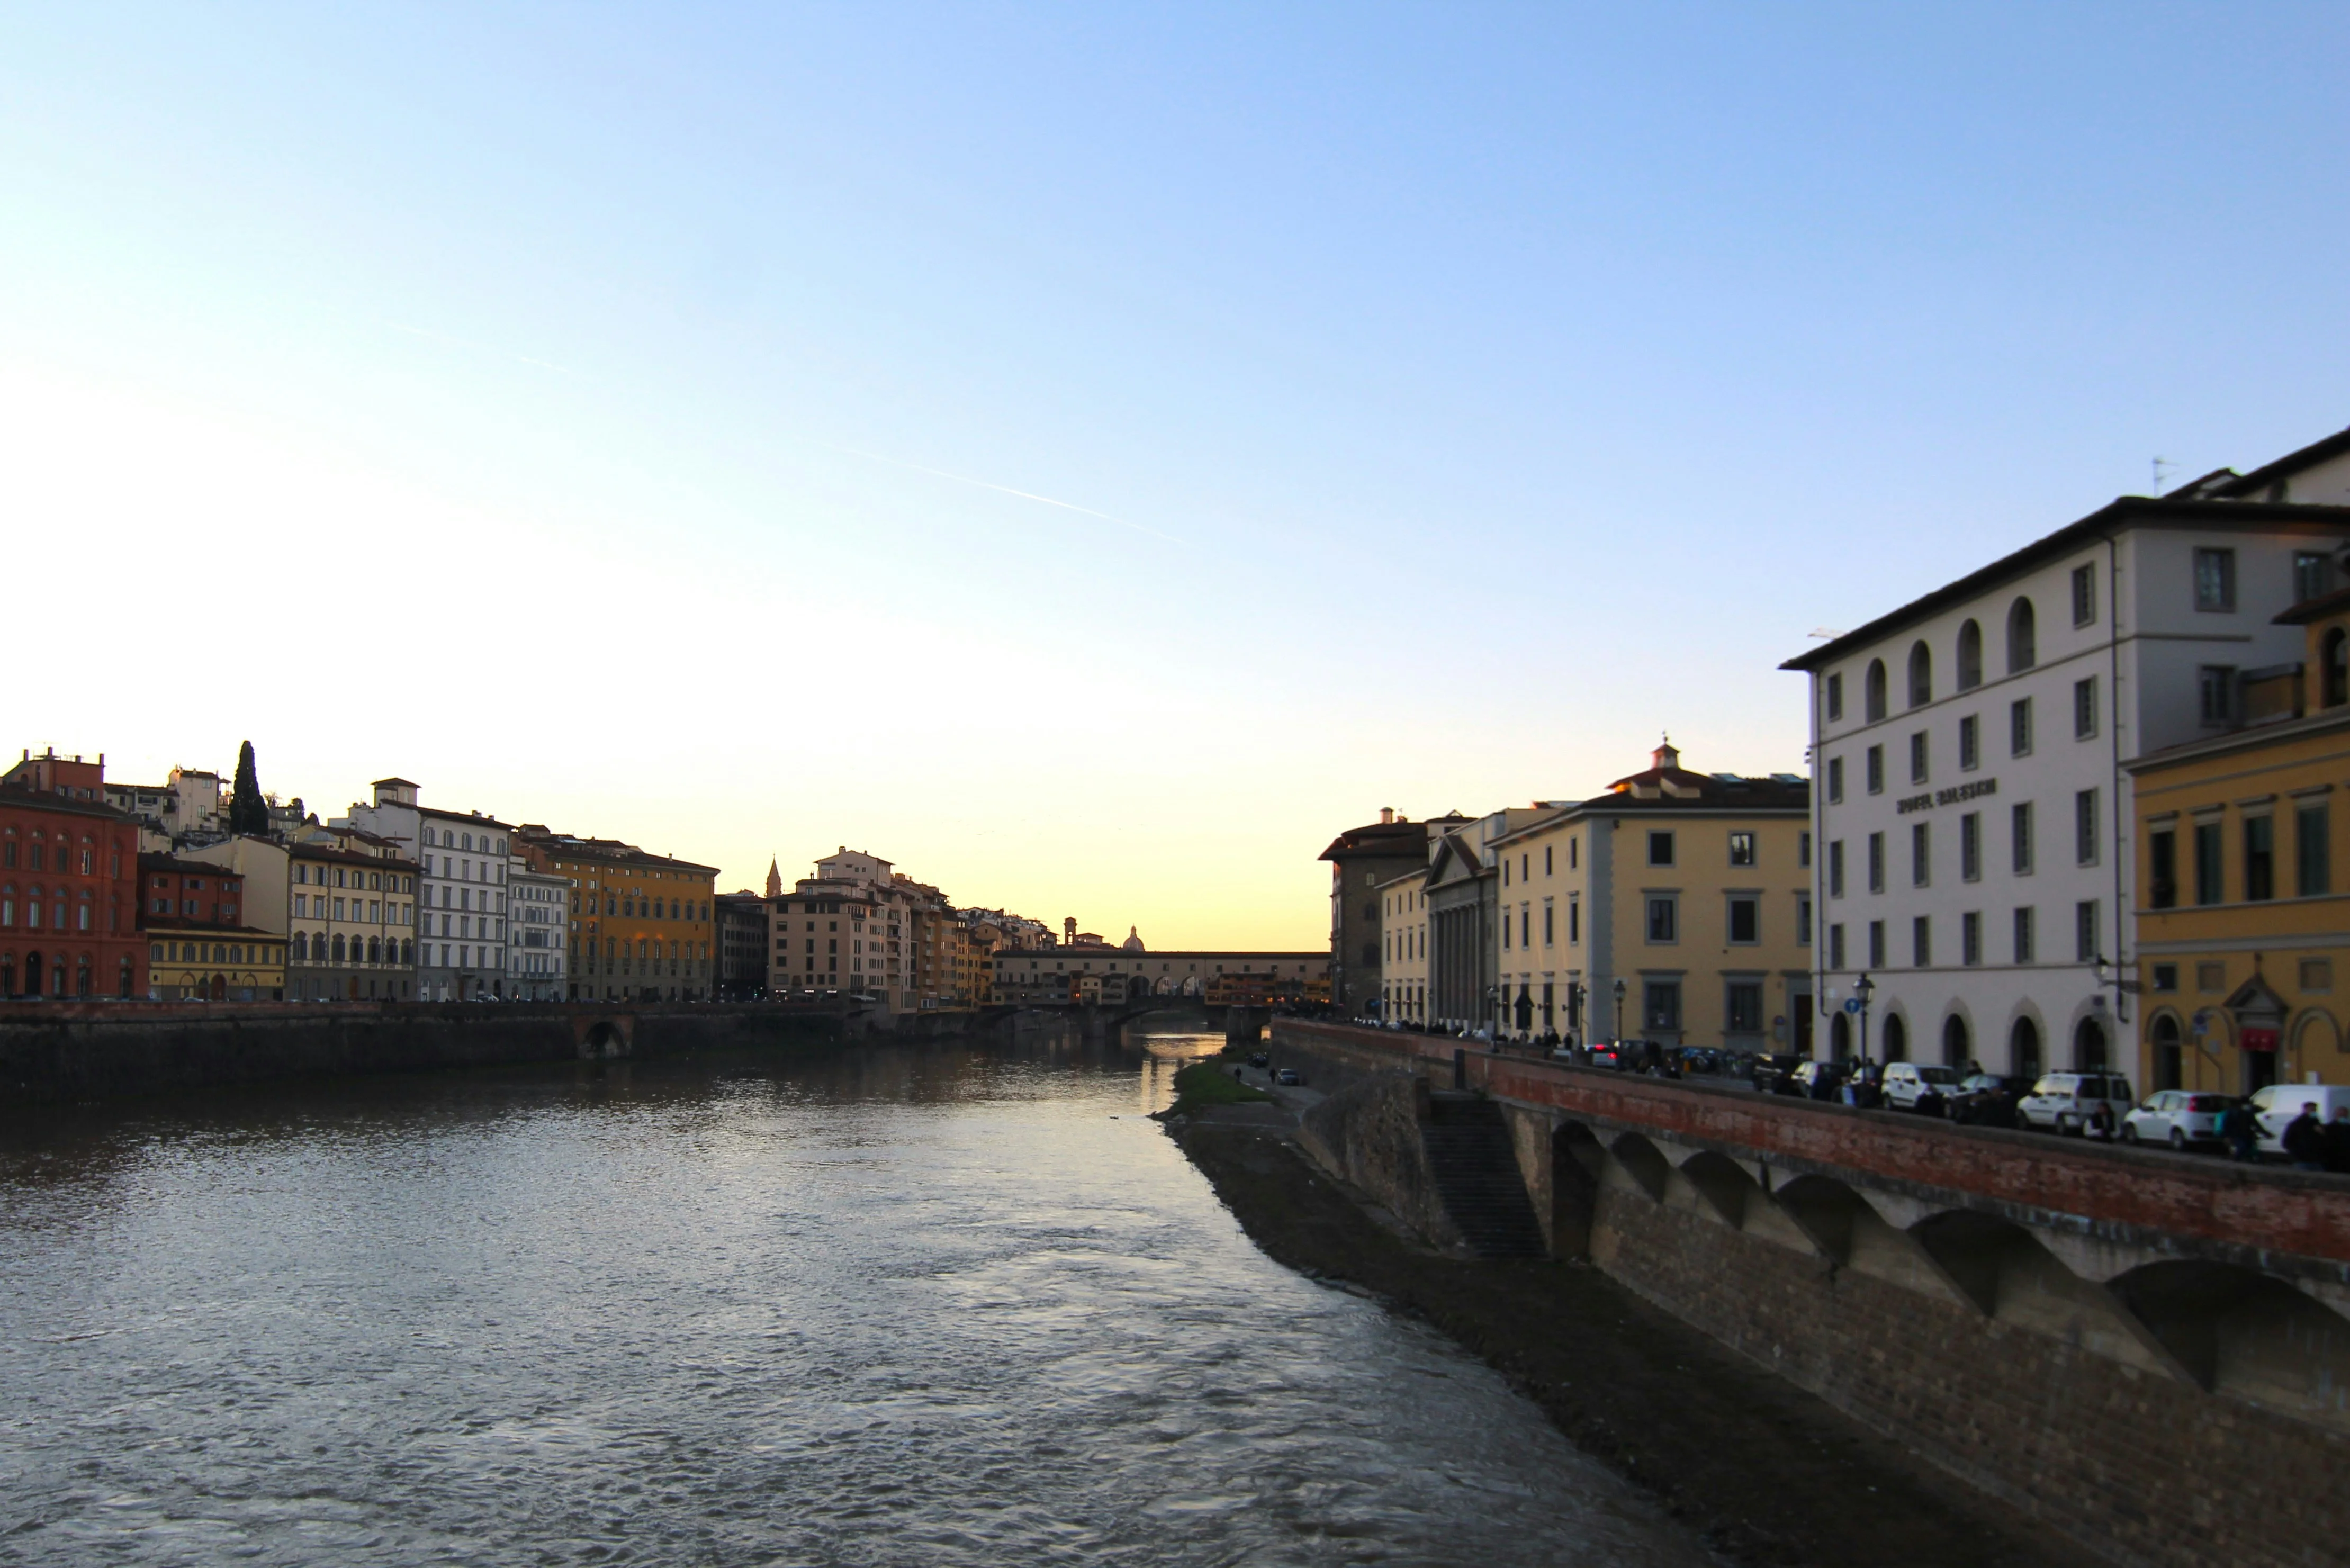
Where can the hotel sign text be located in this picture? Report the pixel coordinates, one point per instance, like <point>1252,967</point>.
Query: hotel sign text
<point>1951,796</point>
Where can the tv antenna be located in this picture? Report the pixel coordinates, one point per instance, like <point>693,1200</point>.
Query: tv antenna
<point>1823,633</point>
<point>2163,469</point>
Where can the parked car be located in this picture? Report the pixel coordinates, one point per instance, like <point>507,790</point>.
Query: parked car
<point>2065,1102</point>
<point>1260,1060</point>
<point>1607,1054</point>
<point>1907,1083</point>
<point>1774,1074</point>
<point>1288,1076</point>
<point>1818,1080</point>
<point>2278,1104</point>
<point>1984,1099</point>
<point>2178,1117</point>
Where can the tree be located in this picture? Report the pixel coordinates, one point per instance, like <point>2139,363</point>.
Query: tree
<point>247,812</point>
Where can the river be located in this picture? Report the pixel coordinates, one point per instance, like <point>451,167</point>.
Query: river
<point>924,1303</point>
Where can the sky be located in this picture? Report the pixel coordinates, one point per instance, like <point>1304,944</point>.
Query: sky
<point>1090,455</point>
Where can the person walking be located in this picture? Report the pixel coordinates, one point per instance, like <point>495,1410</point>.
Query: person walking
<point>2304,1139</point>
<point>2337,1142</point>
<point>2241,1130</point>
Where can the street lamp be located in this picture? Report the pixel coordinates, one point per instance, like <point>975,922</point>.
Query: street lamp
<point>1864,987</point>
<point>1620,1009</point>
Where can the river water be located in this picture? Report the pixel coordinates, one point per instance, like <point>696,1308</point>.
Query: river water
<point>910,1305</point>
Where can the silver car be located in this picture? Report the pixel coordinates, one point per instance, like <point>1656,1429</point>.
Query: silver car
<point>2065,1102</point>
<point>2178,1117</point>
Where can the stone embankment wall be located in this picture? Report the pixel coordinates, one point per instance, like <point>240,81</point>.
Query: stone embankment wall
<point>50,1053</point>
<point>2148,1354</point>
<point>1368,1133</point>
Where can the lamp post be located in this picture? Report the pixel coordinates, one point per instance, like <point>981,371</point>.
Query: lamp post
<point>1620,1009</point>
<point>1864,987</point>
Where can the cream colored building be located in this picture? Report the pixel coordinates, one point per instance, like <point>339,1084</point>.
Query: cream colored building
<point>1403,946</point>
<point>1690,891</point>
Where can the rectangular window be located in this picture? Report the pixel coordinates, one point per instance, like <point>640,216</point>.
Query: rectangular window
<point>2209,887</point>
<point>2313,576</point>
<point>1803,919</point>
<point>1741,849</point>
<point>2215,580</point>
<point>1874,762</point>
<point>1574,921</point>
<point>2313,855</point>
<point>1664,920</point>
<point>1970,938</point>
<point>1745,920</point>
<point>1921,858</point>
<point>1803,849</point>
<point>2210,976</point>
<point>2019,728</point>
<point>1918,757</point>
<point>1921,943</point>
<point>1876,944</point>
<point>1835,868</point>
<point>1971,847</point>
<point>1836,780</point>
<point>2019,822</point>
<point>2162,864</point>
<point>2023,935</point>
<point>2259,857</point>
<point>2166,977</point>
<point>1744,1006</point>
<point>2084,709</point>
<point>1550,928</point>
<point>1835,945</point>
<point>2085,827</point>
<point>1969,743</point>
<point>2085,595</point>
<point>1661,848</point>
<point>1835,696</point>
<point>2084,931</point>
<point>1660,1005</point>
<point>2215,694</point>
<point>1877,862</point>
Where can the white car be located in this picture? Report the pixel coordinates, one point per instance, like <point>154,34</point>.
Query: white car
<point>2276,1105</point>
<point>2063,1102</point>
<point>1907,1083</point>
<point>2175,1117</point>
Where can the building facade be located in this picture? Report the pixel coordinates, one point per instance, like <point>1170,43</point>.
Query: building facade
<point>643,926</point>
<point>1403,947</point>
<point>1360,859</point>
<point>2244,908</point>
<point>743,945</point>
<point>462,860</point>
<point>1678,902</point>
<point>68,896</point>
<point>1970,750</point>
<point>342,901</point>
<point>539,932</point>
<point>1062,973</point>
<point>199,946</point>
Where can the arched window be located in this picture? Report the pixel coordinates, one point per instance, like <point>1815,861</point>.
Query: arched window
<point>301,947</point>
<point>83,981</point>
<point>1897,1038</point>
<point>2334,658</point>
<point>2166,1052</point>
<point>1839,1039</point>
<point>407,953</point>
<point>1873,691</point>
<point>2089,1047</point>
<point>1921,674</point>
<point>123,988</point>
<point>375,949</point>
<point>1970,656</point>
<point>1954,1041</point>
<point>339,948</point>
<point>2022,637</point>
<point>2024,1049</point>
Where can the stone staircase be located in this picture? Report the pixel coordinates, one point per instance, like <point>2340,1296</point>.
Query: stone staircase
<point>1477,1178</point>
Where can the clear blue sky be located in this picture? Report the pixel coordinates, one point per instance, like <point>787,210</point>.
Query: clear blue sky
<point>536,402</point>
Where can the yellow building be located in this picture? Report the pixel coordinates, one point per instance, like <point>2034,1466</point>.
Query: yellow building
<point>1690,892</point>
<point>1403,946</point>
<point>2243,924</point>
<point>643,926</point>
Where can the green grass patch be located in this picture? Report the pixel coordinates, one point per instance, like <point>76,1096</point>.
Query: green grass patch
<point>1208,1083</point>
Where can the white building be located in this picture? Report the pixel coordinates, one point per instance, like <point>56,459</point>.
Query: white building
<point>461,946</point>
<point>1968,754</point>
<point>538,908</point>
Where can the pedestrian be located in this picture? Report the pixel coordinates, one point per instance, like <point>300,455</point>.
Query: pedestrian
<point>2101,1121</point>
<point>2242,1131</point>
<point>2337,1141</point>
<point>2304,1139</point>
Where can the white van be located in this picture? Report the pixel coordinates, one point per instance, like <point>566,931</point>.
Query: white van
<point>1907,1083</point>
<point>2278,1104</point>
<point>2063,1102</point>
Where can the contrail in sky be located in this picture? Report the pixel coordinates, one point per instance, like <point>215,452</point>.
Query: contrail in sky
<point>1008,489</point>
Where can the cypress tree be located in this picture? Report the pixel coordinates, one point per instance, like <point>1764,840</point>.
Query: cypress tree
<point>247,812</point>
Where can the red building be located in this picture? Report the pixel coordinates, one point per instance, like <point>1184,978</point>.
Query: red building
<point>68,895</point>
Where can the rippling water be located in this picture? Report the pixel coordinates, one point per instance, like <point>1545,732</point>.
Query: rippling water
<point>916,1304</point>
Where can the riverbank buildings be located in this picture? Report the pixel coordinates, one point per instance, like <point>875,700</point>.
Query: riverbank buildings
<point>643,926</point>
<point>1403,946</point>
<point>200,943</point>
<point>1361,859</point>
<point>1676,907</point>
<point>538,919</point>
<point>461,914</point>
<point>742,936</point>
<point>68,891</point>
<point>342,901</point>
<point>1973,751</point>
<point>2243,917</point>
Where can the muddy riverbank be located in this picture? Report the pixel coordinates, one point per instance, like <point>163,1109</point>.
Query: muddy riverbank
<point>1770,1475</point>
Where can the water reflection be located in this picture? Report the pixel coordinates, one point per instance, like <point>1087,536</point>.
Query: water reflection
<point>932,1304</point>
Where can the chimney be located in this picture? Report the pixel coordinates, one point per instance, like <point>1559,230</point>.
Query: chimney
<point>1387,816</point>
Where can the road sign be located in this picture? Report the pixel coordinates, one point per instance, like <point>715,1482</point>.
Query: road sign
<point>1852,1004</point>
